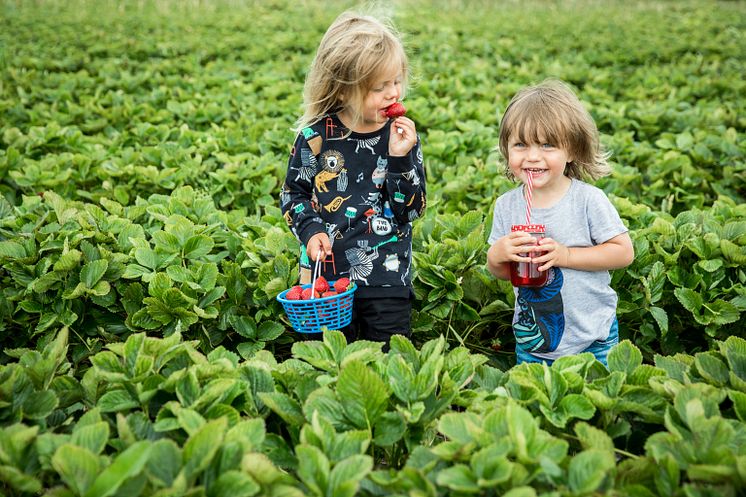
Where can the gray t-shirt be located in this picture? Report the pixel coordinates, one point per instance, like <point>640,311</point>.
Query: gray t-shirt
<point>575,308</point>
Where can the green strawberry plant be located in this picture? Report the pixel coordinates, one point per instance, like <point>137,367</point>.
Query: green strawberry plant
<point>38,386</point>
<point>162,417</point>
<point>455,295</point>
<point>331,463</point>
<point>142,349</point>
<point>688,266</point>
<point>59,259</point>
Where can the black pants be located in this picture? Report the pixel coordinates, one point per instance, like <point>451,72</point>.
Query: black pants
<point>376,319</point>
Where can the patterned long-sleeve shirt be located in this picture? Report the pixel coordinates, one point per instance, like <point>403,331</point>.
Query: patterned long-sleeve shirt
<point>346,185</point>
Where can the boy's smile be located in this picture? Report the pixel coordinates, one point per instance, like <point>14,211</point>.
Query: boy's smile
<point>544,161</point>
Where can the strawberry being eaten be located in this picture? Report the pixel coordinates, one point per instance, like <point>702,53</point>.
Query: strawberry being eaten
<point>395,110</point>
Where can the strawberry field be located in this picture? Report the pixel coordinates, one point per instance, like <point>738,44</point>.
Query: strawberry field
<point>142,247</point>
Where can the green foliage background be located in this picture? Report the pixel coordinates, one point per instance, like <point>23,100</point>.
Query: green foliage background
<point>142,145</point>
<point>116,104</point>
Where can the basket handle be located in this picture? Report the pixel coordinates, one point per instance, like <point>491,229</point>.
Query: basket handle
<point>316,274</point>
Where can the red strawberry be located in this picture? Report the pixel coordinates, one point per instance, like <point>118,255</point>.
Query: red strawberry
<point>307,294</point>
<point>295,293</point>
<point>329,293</point>
<point>395,110</point>
<point>321,285</point>
<point>342,285</point>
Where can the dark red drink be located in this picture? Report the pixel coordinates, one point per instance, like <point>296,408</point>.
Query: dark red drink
<point>527,273</point>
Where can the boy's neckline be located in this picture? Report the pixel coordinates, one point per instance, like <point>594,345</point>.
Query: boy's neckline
<point>555,198</point>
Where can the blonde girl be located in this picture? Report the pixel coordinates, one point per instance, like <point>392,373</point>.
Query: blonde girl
<point>353,187</point>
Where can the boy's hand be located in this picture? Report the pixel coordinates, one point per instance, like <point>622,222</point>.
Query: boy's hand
<point>615,253</point>
<point>318,242</point>
<point>507,249</point>
<point>514,244</point>
<point>555,254</point>
<point>401,143</point>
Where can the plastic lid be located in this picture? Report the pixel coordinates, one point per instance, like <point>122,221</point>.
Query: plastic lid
<point>529,228</point>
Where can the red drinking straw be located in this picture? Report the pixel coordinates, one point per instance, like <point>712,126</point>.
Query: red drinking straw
<point>529,188</point>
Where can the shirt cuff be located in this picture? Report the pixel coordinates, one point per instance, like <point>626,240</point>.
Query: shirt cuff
<point>399,164</point>
<point>310,231</point>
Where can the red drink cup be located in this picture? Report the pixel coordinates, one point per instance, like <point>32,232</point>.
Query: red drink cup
<point>527,273</point>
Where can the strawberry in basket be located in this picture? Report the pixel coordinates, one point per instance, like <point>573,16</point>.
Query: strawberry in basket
<point>342,285</point>
<point>295,293</point>
<point>321,285</point>
<point>306,295</point>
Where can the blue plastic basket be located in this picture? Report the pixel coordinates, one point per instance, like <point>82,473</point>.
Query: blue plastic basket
<point>310,316</point>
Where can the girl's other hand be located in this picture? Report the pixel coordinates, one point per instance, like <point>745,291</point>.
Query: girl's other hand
<point>318,247</point>
<point>401,143</point>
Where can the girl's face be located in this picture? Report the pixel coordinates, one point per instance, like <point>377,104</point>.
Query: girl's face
<point>545,161</point>
<point>386,90</point>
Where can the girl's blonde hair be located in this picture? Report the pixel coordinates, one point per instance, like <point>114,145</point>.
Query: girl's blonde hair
<point>550,112</point>
<point>355,50</point>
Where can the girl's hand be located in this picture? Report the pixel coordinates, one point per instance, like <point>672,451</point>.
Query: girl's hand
<point>555,254</point>
<point>318,242</point>
<point>401,143</point>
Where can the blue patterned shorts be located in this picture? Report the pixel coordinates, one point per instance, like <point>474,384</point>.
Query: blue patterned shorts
<point>599,348</point>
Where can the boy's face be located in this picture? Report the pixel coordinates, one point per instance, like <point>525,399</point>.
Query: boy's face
<point>545,161</point>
